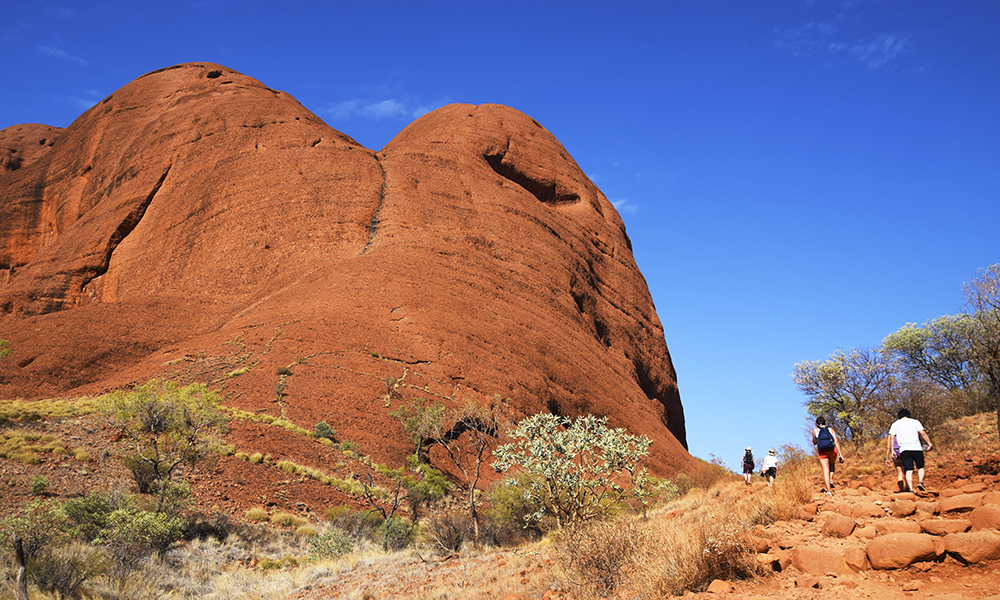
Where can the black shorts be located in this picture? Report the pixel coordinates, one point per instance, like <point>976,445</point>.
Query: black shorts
<point>911,458</point>
<point>747,469</point>
<point>772,472</point>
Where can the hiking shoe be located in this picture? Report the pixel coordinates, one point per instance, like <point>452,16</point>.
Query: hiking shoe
<point>920,486</point>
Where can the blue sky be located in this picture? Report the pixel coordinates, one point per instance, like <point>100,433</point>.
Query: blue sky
<point>795,176</point>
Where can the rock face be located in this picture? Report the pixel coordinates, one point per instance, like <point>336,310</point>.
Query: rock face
<point>199,226</point>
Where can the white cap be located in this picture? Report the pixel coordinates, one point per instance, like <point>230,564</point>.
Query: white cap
<point>748,448</point>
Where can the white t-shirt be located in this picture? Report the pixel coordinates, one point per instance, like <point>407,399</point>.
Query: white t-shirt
<point>907,432</point>
<point>769,461</point>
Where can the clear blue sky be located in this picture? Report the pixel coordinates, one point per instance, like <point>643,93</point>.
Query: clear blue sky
<point>795,176</point>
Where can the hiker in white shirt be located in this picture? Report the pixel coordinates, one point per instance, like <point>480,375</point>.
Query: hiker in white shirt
<point>908,433</point>
<point>770,467</point>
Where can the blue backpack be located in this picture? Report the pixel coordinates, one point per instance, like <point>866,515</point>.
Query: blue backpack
<point>824,441</point>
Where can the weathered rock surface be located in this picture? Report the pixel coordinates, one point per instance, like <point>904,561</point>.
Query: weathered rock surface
<point>817,560</point>
<point>898,550</point>
<point>199,226</point>
<point>973,547</point>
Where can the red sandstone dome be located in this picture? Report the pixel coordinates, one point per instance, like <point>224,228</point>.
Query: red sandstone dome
<point>199,226</point>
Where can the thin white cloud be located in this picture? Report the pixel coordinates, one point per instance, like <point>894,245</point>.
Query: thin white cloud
<point>623,207</point>
<point>385,109</point>
<point>61,54</point>
<point>876,53</point>
<point>378,110</point>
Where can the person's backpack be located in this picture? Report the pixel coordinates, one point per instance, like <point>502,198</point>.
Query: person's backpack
<point>748,460</point>
<point>824,441</point>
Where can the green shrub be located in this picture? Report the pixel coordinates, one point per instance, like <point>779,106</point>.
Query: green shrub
<point>90,513</point>
<point>256,458</point>
<point>307,531</point>
<point>133,534</point>
<point>580,468</point>
<point>81,455</point>
<point>331,543</point>
<point>39,485</point>
<point>395,533</point>
<point>324,431</point>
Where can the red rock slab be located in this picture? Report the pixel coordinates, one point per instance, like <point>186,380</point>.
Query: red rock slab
<point>973,547</point>
<point>898,550</point>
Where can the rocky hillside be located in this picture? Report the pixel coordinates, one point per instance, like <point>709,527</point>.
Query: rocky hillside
<point>199,226</point>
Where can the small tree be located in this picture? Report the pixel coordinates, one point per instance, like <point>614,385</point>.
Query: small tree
<point>578,469</point>
<point>473,433</point>
<point>164,426</point>
<point>850,389</point>
<point>982,299</point>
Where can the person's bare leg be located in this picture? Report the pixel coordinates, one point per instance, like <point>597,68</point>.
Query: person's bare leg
<point>825,463</point>
<point>920,476</point>
<point>909,481</point>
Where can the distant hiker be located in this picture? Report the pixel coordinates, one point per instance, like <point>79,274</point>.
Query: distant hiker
<point>908,432</point>
<point>828,450</point>
<point>770,467</point>
<point>748,463</point>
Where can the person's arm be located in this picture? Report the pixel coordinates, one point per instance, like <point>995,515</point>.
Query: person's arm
<point>927,438</point>
<point>815,433</point>
<point>889,445</point>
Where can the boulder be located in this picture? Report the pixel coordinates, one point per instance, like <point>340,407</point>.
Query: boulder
<point>902,508</point>
<point>985,517</point>
<point>973,488</point>
<point>887,526</point>
<point>856,559</point>
<point>838,526</point>
<point>718,586</point>
<point>973,547</point>
<point>817,560</point>
<point>898,550</point>
<point>961,503</point>
<point>931,508</point>
<point>867,509</point>
<point>991,498</point>
<point>945,526</point>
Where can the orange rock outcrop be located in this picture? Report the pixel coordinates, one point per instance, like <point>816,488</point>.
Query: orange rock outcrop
<point>199,226</point>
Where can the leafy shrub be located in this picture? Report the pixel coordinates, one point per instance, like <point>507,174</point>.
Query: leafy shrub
<point>39,485</point>
<point>580,468</point>
<point>511,507</point>
<point>165,425</point>
<point>90,513</point>
<point>256,458</point>
<point>133,534</point>
<point>395,533</point>
<point>324,431</point>
<point>331,543</point>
